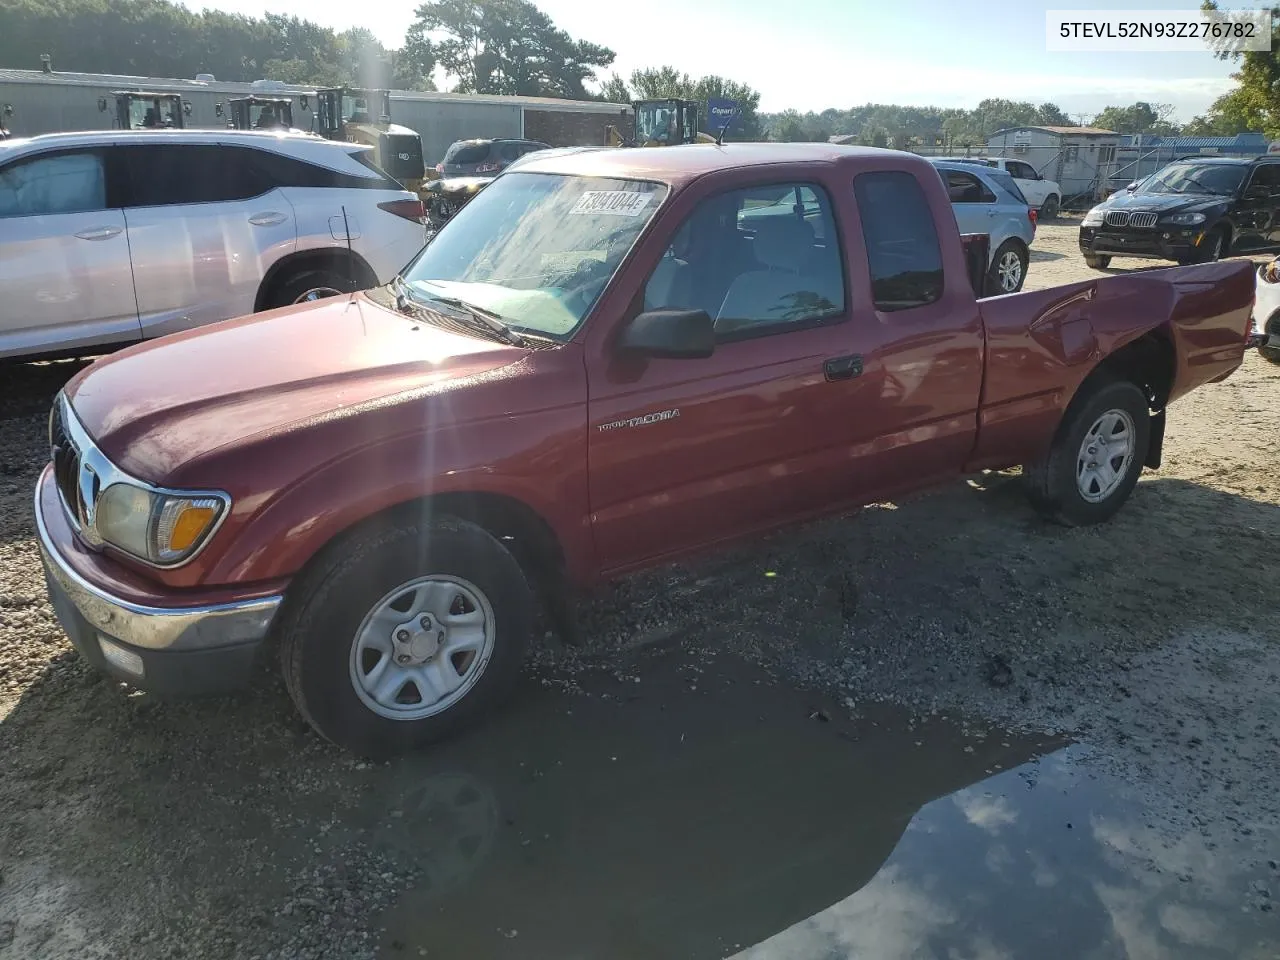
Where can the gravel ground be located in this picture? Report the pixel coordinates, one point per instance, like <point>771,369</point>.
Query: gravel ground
<point>1155,639</point>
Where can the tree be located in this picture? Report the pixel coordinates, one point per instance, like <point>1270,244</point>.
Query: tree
<point>658,83</point>
<point>505,47</point>
<point>1141,117</point>
<point>1255,102</point>
<point>615,90</point>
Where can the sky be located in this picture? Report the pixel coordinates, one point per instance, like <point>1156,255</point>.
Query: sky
<point>814,54</point>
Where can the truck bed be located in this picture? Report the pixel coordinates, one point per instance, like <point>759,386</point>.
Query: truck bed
<point>1041,344</point>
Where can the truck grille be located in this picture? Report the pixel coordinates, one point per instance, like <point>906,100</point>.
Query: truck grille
<point>66,463</point>
<point>1122,218</point>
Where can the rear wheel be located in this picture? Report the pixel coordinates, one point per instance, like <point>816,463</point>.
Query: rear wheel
<point>307,285</point>
<point>406,634</point>
<point>1008,268</point>
<point>1049,209</point>
<point>1097,261</point>
<point>1096,457</point>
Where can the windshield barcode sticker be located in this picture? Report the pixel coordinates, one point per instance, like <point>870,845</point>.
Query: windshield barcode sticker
<point>618,203</point>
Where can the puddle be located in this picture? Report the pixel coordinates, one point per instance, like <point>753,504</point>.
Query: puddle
<point>708,813</point>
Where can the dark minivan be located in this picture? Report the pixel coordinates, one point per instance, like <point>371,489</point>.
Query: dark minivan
<point>1194,210</point>
<point>467,158</point>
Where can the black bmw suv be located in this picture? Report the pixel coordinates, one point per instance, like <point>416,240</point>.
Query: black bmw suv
<point>1193,210</point>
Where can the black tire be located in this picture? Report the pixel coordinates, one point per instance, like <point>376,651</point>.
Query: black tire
<point>1097,261</point>
<point>1213,248</point>
<point>995,280</point>
<point>1052,482</point>
<point>1049,209</point>
<point>329,602</point>
<point>1270,354</point>
<point>294,287</point>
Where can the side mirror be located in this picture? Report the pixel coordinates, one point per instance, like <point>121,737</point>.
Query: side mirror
<point>217,108</point>
<point>670,334</point>
<point>1132,186</point>
<point>186,107</point>
<point>102,104</point>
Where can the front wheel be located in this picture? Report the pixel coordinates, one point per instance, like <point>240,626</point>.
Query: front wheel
<point>1096,457</point>
<point>406,634</point>
<point>1212,248</point>
<point>1097,261</point>
<point>1008,268</point>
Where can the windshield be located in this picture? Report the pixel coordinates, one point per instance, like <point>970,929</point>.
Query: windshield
<point>536,249</point>
<point>656,121</point>
<point>1216,178</point>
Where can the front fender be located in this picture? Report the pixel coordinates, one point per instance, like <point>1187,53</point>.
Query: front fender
<point>538,459</point>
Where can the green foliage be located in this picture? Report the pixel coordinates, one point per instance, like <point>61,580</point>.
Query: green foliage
<point>659,83</point>
<point>155,38</point>
<point>506,47</point>
<point>1255,102</point>
<point>1141,117</point>
<point>615,90</point>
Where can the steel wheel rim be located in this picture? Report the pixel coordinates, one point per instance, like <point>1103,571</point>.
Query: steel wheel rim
<point>1106,456</point>
<point>317,293</point>
<point>422,647</point>
<point>1010,271</point>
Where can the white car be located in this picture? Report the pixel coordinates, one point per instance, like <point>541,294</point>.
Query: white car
<point>1266,310</point>
<point>1045,196</point>
<point>111,237</point>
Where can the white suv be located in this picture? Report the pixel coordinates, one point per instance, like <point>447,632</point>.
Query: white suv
<point>112,237</point>
<point>1044,196</point>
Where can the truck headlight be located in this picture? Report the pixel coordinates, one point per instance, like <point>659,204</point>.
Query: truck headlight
<point>1185,219</point>
<point>1093,218</point>
<point>160,528</point>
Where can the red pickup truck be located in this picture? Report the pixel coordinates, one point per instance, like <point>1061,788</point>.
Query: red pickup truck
<point>605,361</point>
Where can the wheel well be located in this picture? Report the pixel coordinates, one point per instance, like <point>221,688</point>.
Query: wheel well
<point>338,260</point>
<point>519,528</point>
<point>1148,361</point>
<point>1229,234</point>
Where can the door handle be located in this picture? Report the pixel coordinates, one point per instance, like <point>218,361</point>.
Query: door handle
<point>843,368</point>
<point>99,233</point>
<point>267,219</point>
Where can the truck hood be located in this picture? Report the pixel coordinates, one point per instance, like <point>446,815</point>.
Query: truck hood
<point>157,406</point>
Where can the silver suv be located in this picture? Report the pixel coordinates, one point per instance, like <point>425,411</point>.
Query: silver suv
<point>116,236</point>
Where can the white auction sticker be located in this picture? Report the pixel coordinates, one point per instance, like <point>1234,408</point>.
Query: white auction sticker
<point>620,203</point>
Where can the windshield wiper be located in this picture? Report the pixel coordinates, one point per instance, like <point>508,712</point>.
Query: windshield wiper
<point>484,319</point>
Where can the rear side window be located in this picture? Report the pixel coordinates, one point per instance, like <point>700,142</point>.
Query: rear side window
<point>508,151</point>
<point>902,241</point>
<point>67,182</point>
<point>1010,185</point>
<point>966,188</point>
<point>276,170</point>
<point>467,153</point>
<point>185,173</point>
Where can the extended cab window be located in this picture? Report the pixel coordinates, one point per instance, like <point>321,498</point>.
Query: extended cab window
<point>966,188</point>
<point>72,182</point>
<point>902,241</point>
<point>758,260</point>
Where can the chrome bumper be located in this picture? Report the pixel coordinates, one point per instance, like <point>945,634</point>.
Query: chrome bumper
<point>146,627</point>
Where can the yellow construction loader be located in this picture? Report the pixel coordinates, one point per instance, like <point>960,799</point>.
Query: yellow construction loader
<point>259,113</point>
<point>142,110</point>
<point>364,116</point>
<point>661,123</point>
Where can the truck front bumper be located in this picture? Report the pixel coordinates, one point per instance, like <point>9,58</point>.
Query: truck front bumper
<point>181,648</point>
